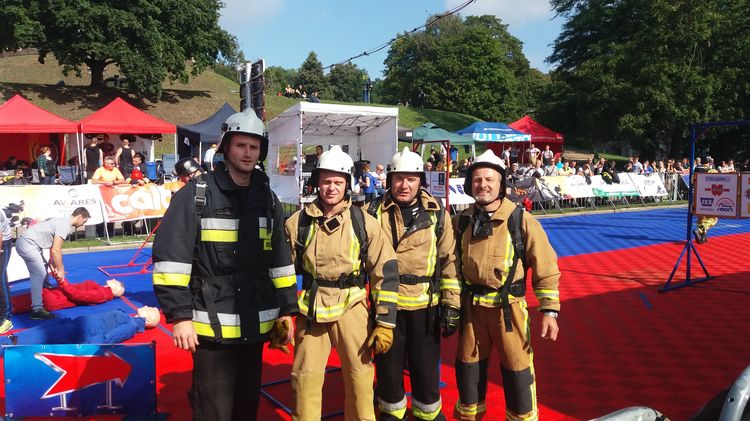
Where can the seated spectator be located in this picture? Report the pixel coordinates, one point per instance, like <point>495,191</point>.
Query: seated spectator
<point>550,169</point>
<point>10,164</point>
<point>730,166</point>
<point>18,179</point>
<point>609,174</point>
<point>288,91</point>
<point>379,176</point>
<point>314,96</point>
<point>566,169</point>
<point>108,174</point>
<point>138,171</point>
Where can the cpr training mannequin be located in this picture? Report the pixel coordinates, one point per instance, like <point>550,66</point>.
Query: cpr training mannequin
<point>67,295</point>
<point>111,327</point>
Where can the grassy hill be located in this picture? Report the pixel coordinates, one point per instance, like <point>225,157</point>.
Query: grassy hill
<point>180,103</point>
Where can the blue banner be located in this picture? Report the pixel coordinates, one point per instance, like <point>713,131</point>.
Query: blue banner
<point>80,380</point>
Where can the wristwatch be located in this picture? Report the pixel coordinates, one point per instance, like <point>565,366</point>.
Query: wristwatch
<point>551,313</point>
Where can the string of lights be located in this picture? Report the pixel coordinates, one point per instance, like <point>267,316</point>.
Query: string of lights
<point>386,44</point>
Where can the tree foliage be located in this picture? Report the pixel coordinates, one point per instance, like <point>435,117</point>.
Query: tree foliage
<point>345,83</point>
<point>643,70</point>
<point>470,65</point>
<point>310,74</point>
<point>149,40</point>
<point>278,77</point>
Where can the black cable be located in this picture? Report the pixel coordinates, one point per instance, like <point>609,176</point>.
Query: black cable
<point>386,44</point>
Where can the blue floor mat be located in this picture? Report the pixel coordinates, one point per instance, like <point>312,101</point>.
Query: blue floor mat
<point>583,234</point>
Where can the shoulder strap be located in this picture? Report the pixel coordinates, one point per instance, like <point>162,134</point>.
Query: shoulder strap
<point>440,220</point>
<point>200,194</point>
<point>516,234</point>
<point>303,230</point>
<point>372,207</point>
<point>463,223</point>
<point>358,223</point>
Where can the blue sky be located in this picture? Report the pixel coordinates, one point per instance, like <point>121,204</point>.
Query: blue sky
<point>283,32</point>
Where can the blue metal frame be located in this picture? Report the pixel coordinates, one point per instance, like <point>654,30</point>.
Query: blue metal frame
<point>287,409</point>
<point>689,246</point>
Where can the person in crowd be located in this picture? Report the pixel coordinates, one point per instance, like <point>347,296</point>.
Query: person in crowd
<point>558,163</point>
<point>18,179</point>
<point>428,166</point>
<point>609,174</point>
<point>547,155</point>
<point>124,155</point>
<point>46,166</point>
<point>223,274</point>
<point>463,167</point>
<point>495,312</point>
<point>300,92</point>
<point>506,156</point>
<point>367,183</point>
<point>538,170</point>
<point>138,171</point>
<point>108,174</point>
<point>6,246</point>
<point>314,96</point>
<point>533,153</point>
<point>729,167</point>
<point>93,158</point>
<point>10,164</point>
<point>440,166</point>
<point>49,234</point>
<point>428,295</point>
<point>745,165</point>
<point>660,167</point>
<point>566,169</point>
<point>337,248</point>
<point>637,165</point>
<point>579,171</point>
<point>380,178</point>
<point>208,158</point>
<point>648,169</point>
<point>587,170</point>
<point>550,169</point>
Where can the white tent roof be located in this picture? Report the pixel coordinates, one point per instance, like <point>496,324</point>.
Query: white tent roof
<point>335,119</point>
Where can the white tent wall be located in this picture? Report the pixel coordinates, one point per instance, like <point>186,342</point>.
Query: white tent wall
<point>369,133</point>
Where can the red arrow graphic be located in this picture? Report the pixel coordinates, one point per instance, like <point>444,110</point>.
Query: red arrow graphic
<point>81,371</point>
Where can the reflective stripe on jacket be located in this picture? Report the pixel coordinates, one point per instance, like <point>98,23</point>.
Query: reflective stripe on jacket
<point>420,253</point>
<point>232,260</point>
<point>483,259</point>
<point>332,251</point>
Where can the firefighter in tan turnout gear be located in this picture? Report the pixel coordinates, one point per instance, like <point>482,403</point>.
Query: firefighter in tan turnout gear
<point>429,292</point>
<point>223,274</point>
<point>496,243</point>
<point>334,245</point>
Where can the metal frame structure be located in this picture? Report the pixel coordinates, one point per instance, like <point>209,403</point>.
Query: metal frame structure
<point>697,131</point>
<point>145,268</point>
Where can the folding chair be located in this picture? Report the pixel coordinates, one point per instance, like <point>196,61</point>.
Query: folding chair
<point>68,174</point>
<point>168,162</point>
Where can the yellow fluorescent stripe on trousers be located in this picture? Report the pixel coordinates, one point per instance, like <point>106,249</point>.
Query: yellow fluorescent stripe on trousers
<point>424,411</point>
<point>219,236</point>
<point>171,279</point>
<point>228,332</point>
<point>354,294</point>
<point>284,281</point>
<point>397,409</point>
<point>473,409</point>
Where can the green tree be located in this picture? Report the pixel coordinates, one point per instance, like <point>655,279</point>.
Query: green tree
<point>643,70</point>
<point>310,74</point>
<point>345,83</point>
<point>278,77</point>
<point>470,65</point>
<point>149,40</point>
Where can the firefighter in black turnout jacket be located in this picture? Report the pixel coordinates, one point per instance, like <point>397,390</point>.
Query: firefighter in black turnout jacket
<point>223,274</point>
<point>429,292</point>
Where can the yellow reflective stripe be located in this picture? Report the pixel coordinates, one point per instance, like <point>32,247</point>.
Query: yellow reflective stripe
<point>549,294</point>
<point>450,283</point>
<point>265,327</point>
<point>265,233</point>
<point>418,301</point>
<point>171,279</point>
<point>354,252</point>
<point>509,256</point>
<point>386,296</point>
<point>493,298</point>
<point>432,253</point>
<point>307,265</point>
<point>284,281</point>
<point>426,412</point>
<point>228,332</point>
<point>511,416</point>
<point>220,236</point>
<point>353,294</point>
<point>472,409</point>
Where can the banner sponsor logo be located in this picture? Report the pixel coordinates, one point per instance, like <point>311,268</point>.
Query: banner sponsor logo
<point>128,203</point>
<point>717,189</point>
<point>707,201</point>
<point>725,204</point>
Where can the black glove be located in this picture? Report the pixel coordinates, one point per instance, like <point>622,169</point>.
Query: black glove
<point>449,319</point>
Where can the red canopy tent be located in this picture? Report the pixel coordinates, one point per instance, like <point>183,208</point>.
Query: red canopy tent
<point>119,117</point>
<point>540,135</point>
<point>25,127</point>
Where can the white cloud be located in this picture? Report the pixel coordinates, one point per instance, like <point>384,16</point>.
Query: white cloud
<point>512,12</point>
<point>239,15</point>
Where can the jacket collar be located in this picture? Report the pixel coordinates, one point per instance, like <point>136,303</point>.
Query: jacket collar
<point>225,182</point>
<point>501,214</point>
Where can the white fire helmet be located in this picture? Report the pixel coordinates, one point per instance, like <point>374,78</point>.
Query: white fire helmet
<point>335,160</point>
<point>246,122</point>
<point>490,160</point>
<point>407,161</point>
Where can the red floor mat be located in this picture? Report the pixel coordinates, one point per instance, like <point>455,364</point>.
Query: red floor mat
<point>621,344</point>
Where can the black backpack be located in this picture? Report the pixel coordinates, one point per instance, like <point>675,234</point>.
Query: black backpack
<point>519,249</point>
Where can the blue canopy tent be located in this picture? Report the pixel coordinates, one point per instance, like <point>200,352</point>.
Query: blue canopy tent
<point>493,132</point>
<point>198,134</point>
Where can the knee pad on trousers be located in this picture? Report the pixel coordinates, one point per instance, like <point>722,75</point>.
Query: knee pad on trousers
<point>471,381</point>
<point>518,388</point>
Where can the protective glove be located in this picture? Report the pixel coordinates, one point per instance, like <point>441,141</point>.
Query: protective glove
<point>449,320</point>
<point>381,339</point>
<point>278,336</point>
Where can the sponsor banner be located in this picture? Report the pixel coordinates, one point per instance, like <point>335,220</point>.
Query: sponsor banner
<point>26,205</point>
<point>436,183</point>
<point>569,187</point>
<point>716,195</point>
<point>745,195</point>
<point>625,188</point>
<point>129,203</point>
<point>457,194</point>
<point>79,380</point>
<point>649,185</point>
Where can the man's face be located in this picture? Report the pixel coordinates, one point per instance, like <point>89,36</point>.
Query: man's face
<point>243,152</point>
<point>80,221</point>
<point>19,174</point>
<point>428,166</point>
<point>485,185</point>
<point>331,187</point>
<point>379,169</point>
<point>136,160</point>
<point>109,164</point>
<point>318,150</point>
<point>405,187</point>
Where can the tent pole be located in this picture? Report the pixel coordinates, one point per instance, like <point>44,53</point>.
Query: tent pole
<point>175,146</point>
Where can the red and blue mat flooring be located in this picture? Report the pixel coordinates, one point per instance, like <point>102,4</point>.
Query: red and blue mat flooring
<point>622,343</point>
